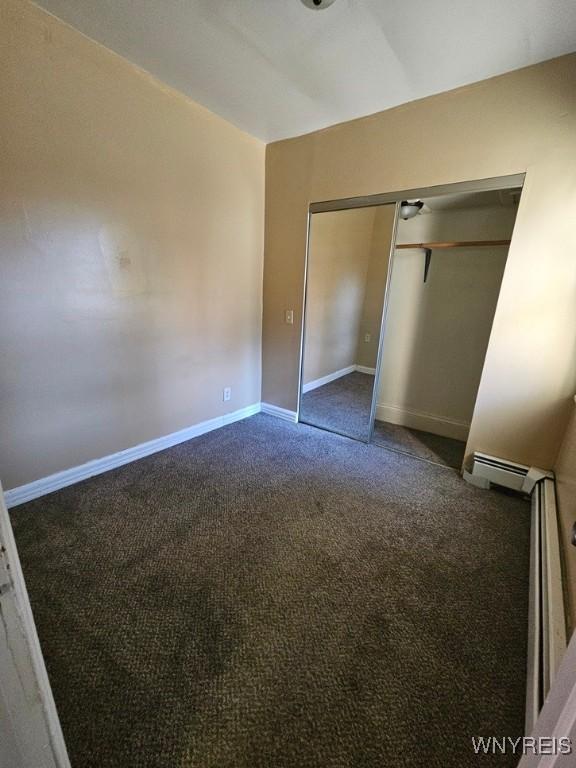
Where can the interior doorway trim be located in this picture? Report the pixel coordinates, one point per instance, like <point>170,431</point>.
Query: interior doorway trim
<point>365,201</point>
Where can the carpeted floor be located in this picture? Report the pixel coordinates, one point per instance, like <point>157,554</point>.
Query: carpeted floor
<point>342,406</point>
<point>423,445</point>
<point>273,596</point>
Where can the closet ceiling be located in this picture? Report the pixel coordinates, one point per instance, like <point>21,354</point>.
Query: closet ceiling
<point>276,69</point>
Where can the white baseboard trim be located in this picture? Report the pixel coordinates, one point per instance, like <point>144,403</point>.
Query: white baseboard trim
<point>427,422</point>
<point>337,375</point>
<point>279,413</point>
<point>74,475</point>
<point>328,378</point>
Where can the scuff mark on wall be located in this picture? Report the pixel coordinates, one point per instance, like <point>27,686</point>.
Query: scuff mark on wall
<point>123,259</point>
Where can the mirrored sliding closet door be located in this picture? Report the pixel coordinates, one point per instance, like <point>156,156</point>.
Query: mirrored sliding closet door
<point>347,272</point>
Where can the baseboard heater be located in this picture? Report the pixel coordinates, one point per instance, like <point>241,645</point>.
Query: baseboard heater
<point>547,635</point>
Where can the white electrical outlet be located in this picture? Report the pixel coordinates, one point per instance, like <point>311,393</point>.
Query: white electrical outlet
<point>289,317</point>
<point>367,337</point>
<point>227,394</point>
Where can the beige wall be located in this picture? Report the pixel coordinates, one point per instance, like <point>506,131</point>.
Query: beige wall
<point>347,267</point>
<point>131,225</point>
<point>338,259</point>
<point>437,332</point>
<point>524,121</point>
<point>565,469</point>
<point>367,352</point>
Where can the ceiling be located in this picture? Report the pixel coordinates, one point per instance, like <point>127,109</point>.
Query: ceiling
<point>276,69</point>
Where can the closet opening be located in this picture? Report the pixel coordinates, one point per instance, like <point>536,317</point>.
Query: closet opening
<point>401,292</point>
<point>449,261</point>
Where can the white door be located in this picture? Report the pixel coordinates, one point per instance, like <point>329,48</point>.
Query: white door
<point>30,733</point>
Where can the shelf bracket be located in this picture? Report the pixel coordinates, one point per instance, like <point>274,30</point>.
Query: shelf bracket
<point>427,260</point>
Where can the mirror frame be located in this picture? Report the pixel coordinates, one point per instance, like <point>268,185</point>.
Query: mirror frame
<point>380,324</point>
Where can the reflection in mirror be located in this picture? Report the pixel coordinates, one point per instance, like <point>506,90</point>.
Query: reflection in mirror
<point>348,256</point>
<point>437,329</point>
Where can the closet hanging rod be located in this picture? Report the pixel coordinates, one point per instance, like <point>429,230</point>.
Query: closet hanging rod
<point>454,244</point>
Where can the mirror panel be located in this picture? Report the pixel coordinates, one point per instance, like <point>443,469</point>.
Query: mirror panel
<point>347,271</point>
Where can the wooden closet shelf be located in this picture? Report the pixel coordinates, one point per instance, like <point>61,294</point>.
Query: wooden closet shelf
<point>454,244</point>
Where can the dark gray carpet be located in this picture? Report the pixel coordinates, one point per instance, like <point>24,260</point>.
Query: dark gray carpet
<point>274,596</point>
<point>424,445</point>
<point>342,406</point>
